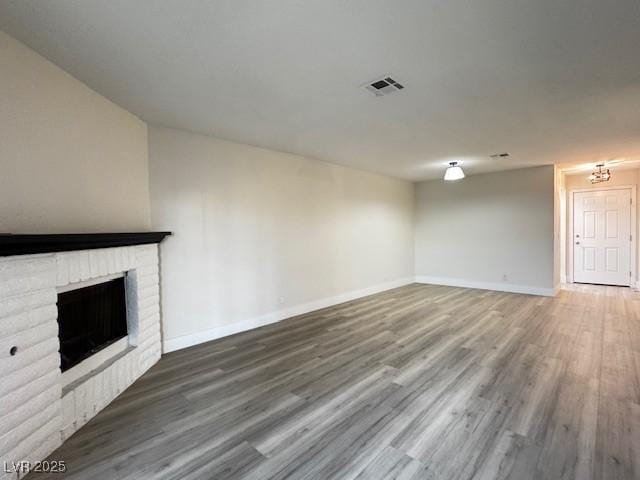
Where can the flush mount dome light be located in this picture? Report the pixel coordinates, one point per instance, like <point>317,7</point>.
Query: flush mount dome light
<point>454,172</point>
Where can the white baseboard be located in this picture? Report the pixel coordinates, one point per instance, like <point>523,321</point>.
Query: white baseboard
<point>184,341</point>
<point>499,287</point>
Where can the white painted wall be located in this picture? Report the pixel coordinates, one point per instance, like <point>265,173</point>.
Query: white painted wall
<point>70,160</point>
<point>475,231</point>
<point>260,235</point>
<point>625,177</point>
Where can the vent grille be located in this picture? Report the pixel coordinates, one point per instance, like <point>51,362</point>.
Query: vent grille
<point>383,86</point>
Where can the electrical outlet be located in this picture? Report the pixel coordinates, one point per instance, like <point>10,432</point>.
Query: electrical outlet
<point>280,300</point>
<point>504,277</point>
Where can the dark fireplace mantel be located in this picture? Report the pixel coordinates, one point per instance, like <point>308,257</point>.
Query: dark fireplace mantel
<point>65,242</point>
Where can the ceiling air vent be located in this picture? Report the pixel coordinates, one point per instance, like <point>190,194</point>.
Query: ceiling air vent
<point>383,86</point>
<point>499,155</point>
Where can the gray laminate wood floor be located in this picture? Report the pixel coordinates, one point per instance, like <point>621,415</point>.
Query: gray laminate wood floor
<point>421,382</point>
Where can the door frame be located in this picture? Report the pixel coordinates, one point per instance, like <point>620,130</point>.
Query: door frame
<point>632,256</point>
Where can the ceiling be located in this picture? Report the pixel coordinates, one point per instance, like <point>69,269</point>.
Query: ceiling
<point>547,81</point>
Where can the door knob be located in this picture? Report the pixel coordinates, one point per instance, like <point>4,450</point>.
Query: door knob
<point>577,243</point>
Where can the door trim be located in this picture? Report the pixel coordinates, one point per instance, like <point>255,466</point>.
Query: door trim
<point>632,256</point>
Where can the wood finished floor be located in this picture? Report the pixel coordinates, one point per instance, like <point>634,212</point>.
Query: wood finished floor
<point>421,382</point>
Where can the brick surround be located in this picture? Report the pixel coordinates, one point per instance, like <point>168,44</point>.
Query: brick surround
<point>36,413</point>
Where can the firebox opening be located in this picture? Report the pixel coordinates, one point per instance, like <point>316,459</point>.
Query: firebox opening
<point>90,319</point>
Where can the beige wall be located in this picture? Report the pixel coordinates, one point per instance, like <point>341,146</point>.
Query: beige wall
<point>70,160</point>
<point>619,178</point>
<point>493,231</point>
<point>261,234</point>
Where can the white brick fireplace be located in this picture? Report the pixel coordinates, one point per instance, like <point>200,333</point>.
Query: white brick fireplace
<point>39,407</point>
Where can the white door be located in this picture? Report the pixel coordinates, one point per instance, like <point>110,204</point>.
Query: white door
<point>602,237</point>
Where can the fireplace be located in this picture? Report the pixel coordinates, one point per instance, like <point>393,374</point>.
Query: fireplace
<point>93,297</point>
<point>90,319</point>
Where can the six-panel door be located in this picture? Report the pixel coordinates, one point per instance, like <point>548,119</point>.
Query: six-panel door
<point>602,237</point>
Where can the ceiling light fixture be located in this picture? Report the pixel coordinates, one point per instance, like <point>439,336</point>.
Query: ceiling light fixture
<point>599,175</point>
<point>454,172</point>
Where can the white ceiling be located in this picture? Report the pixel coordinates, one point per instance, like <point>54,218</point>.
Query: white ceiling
<point>548,81</point>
